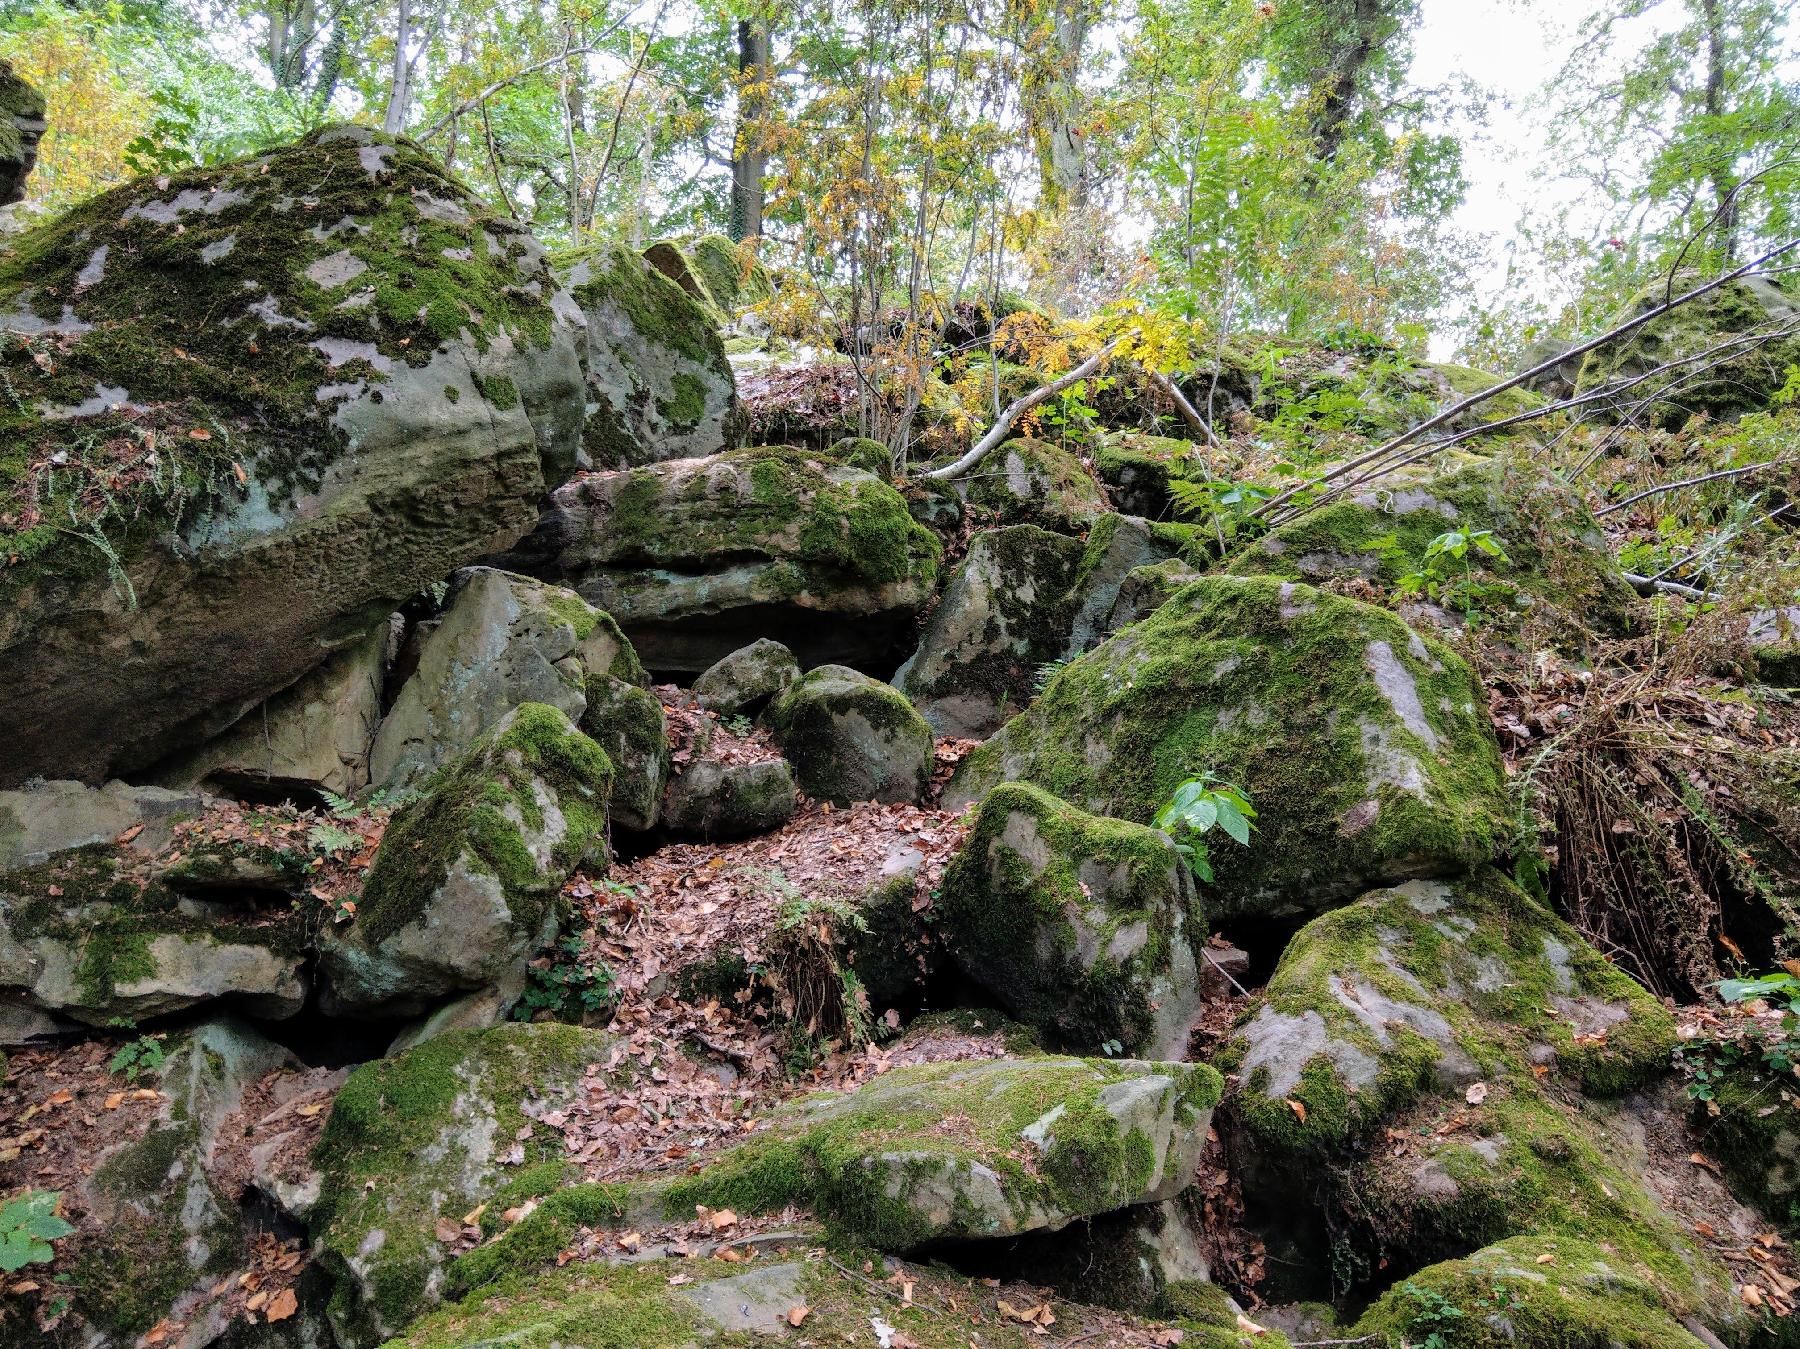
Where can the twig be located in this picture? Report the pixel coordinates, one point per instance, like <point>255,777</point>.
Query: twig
<point>880,1287</point>
<point>1695,482</point>
<point>1018,408</point>
<point>1222,970</point>
<point>1189,413</point>
<point>1647,585</point>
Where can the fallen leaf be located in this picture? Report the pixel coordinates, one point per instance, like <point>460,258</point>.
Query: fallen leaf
<point>308,1111</point>
<point>1546,1259</point>
<point>1299,1109</point>
<point>473,1216</point>
<point>283,1305</point>
<point>723,1219</point>
<point>1476,1094</point>
<point>796,1315</point>
<point>1249,1327</point>
<point>1700,1159</point>
<point>112,1102</point>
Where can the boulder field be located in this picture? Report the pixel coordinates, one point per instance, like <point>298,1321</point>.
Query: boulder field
<point>488,857</point>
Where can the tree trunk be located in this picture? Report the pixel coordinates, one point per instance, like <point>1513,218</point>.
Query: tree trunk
<point>1054,106</point>
<point>1724,182</point>
<point>400,84</point>
<point>1340,84</point>
<point>750,163</point>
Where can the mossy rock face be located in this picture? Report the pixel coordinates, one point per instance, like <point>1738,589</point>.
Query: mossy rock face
<point>93,936</point>
<point>357,393</point>
<point>1082,927</point>
<point>1741,382</point>
<point>971,1150</point>
<point>503,640</point>
<point>1755,1135</point>
<point>424,1136</point>
<point>1364,746</point>
<point>313,737</point>
<point>1034,482</point>
<point>1582,1297</point>
<point>1136,469</point>
<point>733,275</point>
<point>467,882</point>
<point>21,127</point>
<point>852,738</point>
<point>1430,986</point>
<point>658,384</point>
<point>1557,564</point>
<point>1002,616</point>
<point>718,800</point>
<point>743,682</point>
<point>1146,589</point>
<point>628,722</point>
<point>1773,636</point>
<point>46,818</point>
<point>163,1228</point>
<point>699,557</point>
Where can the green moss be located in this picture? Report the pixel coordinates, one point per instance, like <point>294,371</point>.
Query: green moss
<point>1384,755</point>
<point>655,305</point>
<point>1034,482</point>
<point>628,722</point>
<point>1031,868</point>
<point>595,1306</point>
<point>535,1240</point>
<point>1753,1130</point>
<point>852,738</point>
<point>498,390</point>
<point>472,810</point>
<point>239,362</point>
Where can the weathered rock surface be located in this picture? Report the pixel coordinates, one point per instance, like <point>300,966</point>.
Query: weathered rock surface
<point>1082,927</point>
<point>312,737</point>
<point>627,721</point>
<point>1046,1141</point>
<point>424,1137</point>
<point>697,558</point>
<point>716,799</point>
<point>358,393</point>
<point>1364,746</point>
<point>852,738</point>
<point>1557,565</point>
<point>1034,482</point>
<point>658,384</point>
<point>52,817</point>
<point>92,936</point>
<point>1773,636</point>
<point>21,127</point>
<point>1723,386</point>
<point>744,682</point>
<point>503,640</point>
<point>465,885</point>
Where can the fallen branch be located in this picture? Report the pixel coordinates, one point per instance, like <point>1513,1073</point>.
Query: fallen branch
<point>1189,413</point>
<point>1017,409</point>
<point>1695,482</point>
<point>1649,585</point>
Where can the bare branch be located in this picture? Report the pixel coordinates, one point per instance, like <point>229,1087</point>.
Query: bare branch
<point>1018,408</point>
<point>1722,474</point>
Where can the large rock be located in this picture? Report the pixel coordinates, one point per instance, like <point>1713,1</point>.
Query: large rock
<point>162,1229</point>
<point>21,127</point>
<point>743,682</point>
<point>658,384</point>
<point>627,721</point>
<point>698,557</point>
<point>852,738</point>
<point>1364,746</point>
<point>467,882</point>
<point>97,934</point>
<point>1022,600</point>
<point>1557,566</point>
<point>53,817</point>
<point>310,738</point>
<point>1724,385</point>
<point>972,1150</point>
<point>1082,927</point>
<point>1034,482</point>
<point>357,392</point>
<point>716,800</point>
<point>503,640</point>
<point>422,1138</point>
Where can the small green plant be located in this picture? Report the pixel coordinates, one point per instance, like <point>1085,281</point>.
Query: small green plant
<point>739,725</point>
<point>1438,577</point>
<point>349,808</point>
<point>1198,806</point>
<point>568,983</point>
<point>139,1057</point>
<point>1708,1060</point>
<point>29,1223</point>
<point>1045,673</point>
<point>1434,1316</point>
<point>329,840</point>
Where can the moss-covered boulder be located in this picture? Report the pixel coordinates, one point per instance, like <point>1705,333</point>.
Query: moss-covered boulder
<point>1000,620</point>
<point>502,640</point>
<point>45,818</point>
<point>1033,482</point>
<point>1773,636</point>
<point>21,127</point>
<point>1533,1290</point>
<point>358,392</point>
<point>971,1150</point>
<point>1083,927</point>
<point>852,738</point>
<point>1364,746</point>
<point>699,557</point>
<point>1137,468</point>
<point>424,1137</point>
<point>1555,564</point>
<point>310,738</point>
<point>716,799</point>
<point>1146,589</point>
<point>743,683</point>
<point>467,882</point>
<point>658,384</point>
<point>157,1226</point>
<point>1751,1125</point>
<point>98,933</point>
<point>713,271</point>
<point>1724,385</point>
<point>627,721</point>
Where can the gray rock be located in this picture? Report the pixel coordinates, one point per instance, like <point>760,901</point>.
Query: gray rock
<point>747,679</point>
<point>1084,928</point>
<point>1773,636</point>
<point>376,445</point>
<point>628,722</point>
<point>464,886</point>
<point>755,1302</point>
<point>21,127</point>
<point>658,384</point>
<point>1034,482</point>
<point>313,737</point>
<point>852,738</point>
<point>53,817</point>
<point>724,801</point>
<point>503,640</point>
